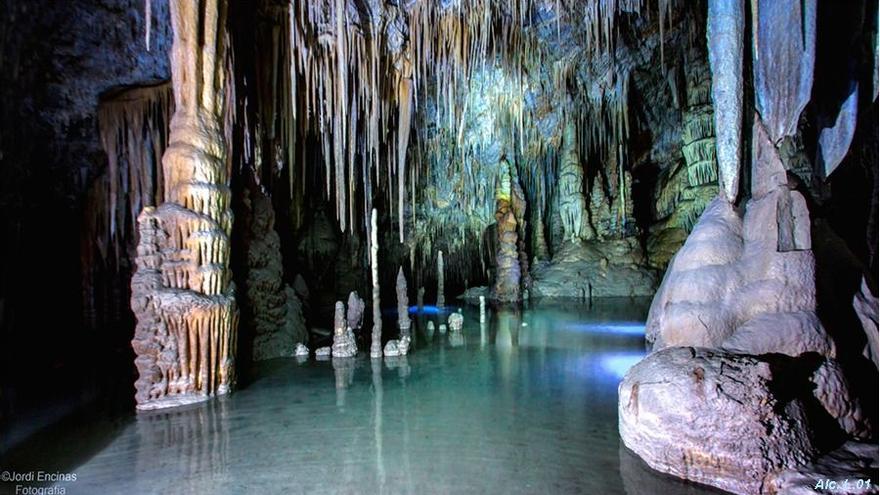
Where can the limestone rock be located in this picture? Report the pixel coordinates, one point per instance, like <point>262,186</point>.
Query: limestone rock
<point>442,328</point>
<point>403,321</point>
<point>582,270</point>
<point>833,392</point>
<point>848,467</point>
<point>865,304</point>
<point>726,25</point>
<point>323,352</point>
<point>713,417</point>
<point>397,347</point>
<point>354,315</point>
<point>456,321</point>
<point>783,55</point>
<point>301,350</point>
<point>730,286</point>
<point>344,344</point>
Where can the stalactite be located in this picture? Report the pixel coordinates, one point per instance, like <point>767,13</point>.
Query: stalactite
<point>725,36</point>
<point>376,345</point>
<point>182,292</point>
<point>133,129</point>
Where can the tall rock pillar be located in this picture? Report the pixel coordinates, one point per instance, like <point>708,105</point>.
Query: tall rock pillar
<point>182,291</point>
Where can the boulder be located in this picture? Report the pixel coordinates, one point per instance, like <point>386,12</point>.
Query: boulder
<point>717,418</point>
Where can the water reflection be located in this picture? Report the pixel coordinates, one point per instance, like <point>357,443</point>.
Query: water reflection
<point>508,409</point>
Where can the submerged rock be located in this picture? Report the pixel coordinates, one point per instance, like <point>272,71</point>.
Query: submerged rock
<point>323,352</point>
<point>301,350</point>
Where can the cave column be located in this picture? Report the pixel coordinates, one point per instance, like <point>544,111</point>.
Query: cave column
<point>182,293</point>
<point>572,203</point>
<point>507,263</point>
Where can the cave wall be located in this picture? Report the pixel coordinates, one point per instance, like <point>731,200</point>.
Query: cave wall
<point>57,60</point>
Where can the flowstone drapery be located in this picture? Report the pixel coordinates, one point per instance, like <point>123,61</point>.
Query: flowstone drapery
<point>182,292</point>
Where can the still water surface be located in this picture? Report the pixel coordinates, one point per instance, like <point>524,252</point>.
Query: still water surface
<point>525,402</point>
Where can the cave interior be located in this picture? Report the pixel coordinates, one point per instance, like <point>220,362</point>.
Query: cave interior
<point>658,217</point>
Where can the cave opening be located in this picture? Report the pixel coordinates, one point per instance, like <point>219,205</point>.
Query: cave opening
<point>636,237</point>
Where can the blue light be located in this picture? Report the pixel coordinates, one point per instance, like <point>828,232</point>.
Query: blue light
<point>619,363</point>
<point>621,328</point>
<point>429,310</point>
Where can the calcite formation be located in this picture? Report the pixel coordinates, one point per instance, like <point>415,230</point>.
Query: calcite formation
<point>726,28</point>
<point>275,313</point>
<point>397,347</point>
<point>455,321</point>
<point>715,418</point>
<point>344,344</point>
<point>403,321</point>
<point>572,202</point>
<point>738,275</point>
<point>441,296</point>
<point>376,344</point>
<point>354,314</point>
<point>507,264</point>
<point>182,291</point>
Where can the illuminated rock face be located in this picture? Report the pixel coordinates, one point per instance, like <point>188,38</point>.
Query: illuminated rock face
<point>739,274</point>
<point>182,293</point>
<point>714,418</point>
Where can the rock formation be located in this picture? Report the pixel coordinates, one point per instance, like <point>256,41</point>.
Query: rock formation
<point>456,321</point>
<point>441,296</point>
<point>508,270</point>
<point>403,321</point>
<point>572,202</point>
<point>182,292</point>
<point>737,275</point>
<point>376,344</point>
<point>397,347</point>
<point>714,418</point>
<point>275,312</point>
<point>344,344</point>
<point>744,383</point>
<point>354,315</point>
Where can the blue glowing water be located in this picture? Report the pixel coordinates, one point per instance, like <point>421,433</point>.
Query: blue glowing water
<point>525,402</point>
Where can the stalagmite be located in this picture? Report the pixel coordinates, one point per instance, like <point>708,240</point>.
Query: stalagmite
<point>441,297</point>
<point>275,316</point>
<point>455,321</point>
<point>482,309</point>
<point>507,263</point>
<point>725,38</point>
<point>420,299</point>
<point>344,344</point>
<point>376,345</point>
<point>182,293</point>
<point>403,321</point>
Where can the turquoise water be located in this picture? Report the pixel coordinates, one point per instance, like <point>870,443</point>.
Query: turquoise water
<point>524,403</point>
